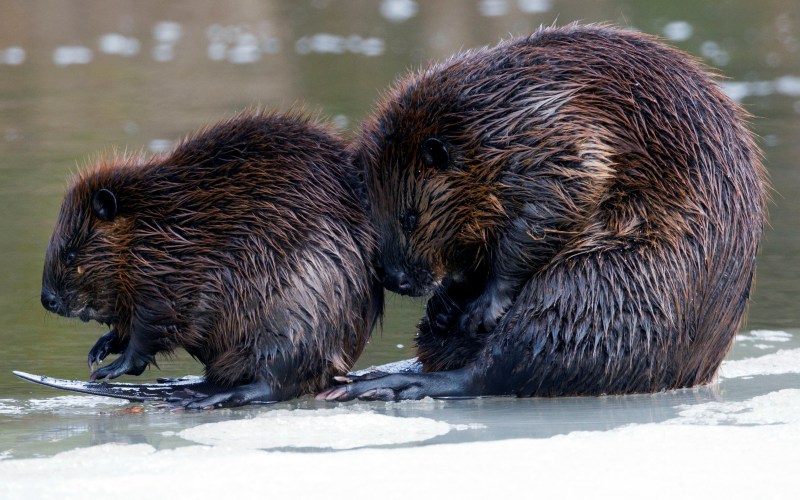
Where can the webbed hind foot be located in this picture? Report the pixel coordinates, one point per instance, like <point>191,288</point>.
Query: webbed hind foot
<point>259,392</point>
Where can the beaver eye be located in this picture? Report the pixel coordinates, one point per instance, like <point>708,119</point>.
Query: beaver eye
<point>69,257</point>
<point>434,153</point>
<point>409,220</point>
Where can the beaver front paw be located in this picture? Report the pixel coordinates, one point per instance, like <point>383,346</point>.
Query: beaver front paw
<point>483,314</point>
<point>109,343</point>
<point>442,314</point>
<point>127,364</point>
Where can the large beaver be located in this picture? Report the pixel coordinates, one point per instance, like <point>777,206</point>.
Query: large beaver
<point>585,206</point>
<point>249,245</point>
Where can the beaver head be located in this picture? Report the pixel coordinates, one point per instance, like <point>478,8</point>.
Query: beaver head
<point>484,146</point>
<point>433,194</point>
<point>86,258</point>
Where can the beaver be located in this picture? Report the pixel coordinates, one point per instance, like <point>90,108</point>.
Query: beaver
<point>249,245</point>
<point>584,205</point>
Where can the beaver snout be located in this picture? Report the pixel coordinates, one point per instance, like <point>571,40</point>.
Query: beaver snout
<point>397,281</point>
<point>53,302</point>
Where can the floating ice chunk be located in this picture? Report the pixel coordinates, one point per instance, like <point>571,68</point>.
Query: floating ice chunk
<point>13,56</point>
<point>678,31</point>
<point>341,121</point>
<point>338,429</point>
<point>114,43</point>
<point>245,51</point>
<point>715,52</point>
<point>778,363</point>
<point>534,6</point>
<point>372,47</point>
<point>325,43</point>
<point>160,145</point>
<point>398,11</point>
<point>167,31</point>
<point>764,336</point>
<point>72,54</point>
<point>788,85</point>
<point>494,8</point>
<point>217,51</point>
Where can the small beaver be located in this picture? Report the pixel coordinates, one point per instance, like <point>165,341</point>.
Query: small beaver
<point>584,204</point>
<point>249,245</point>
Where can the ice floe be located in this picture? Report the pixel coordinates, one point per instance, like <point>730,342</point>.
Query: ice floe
<point>778,363</point>
<point>337,429</point>
<point>779,407</point>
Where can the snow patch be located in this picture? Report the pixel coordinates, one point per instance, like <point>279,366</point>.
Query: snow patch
<point>337,429</point>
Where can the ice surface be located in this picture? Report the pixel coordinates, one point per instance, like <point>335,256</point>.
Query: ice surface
<point>335,429</point>
<point>655,461</point>
<point>779,407</point>
<point>58,404</point>
<point>781,362</point>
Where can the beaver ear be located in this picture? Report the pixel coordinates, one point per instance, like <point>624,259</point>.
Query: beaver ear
<point>104,204</point>
<point>434,153</point>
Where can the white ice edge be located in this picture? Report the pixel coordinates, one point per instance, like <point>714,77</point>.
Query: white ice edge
<point>764,336</point>
<point>781,362</point>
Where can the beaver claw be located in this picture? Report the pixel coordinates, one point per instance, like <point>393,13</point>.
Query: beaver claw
<point>442,314</point>
<point>109,343</point>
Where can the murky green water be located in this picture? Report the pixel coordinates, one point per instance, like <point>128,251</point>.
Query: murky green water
<point>78,78</point>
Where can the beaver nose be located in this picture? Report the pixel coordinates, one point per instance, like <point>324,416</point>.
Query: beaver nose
<point>51,301</point>
<point>397,281</point>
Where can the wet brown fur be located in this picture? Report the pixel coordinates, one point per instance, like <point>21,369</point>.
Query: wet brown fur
<point>597,225</point>
<point>248,245</point>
